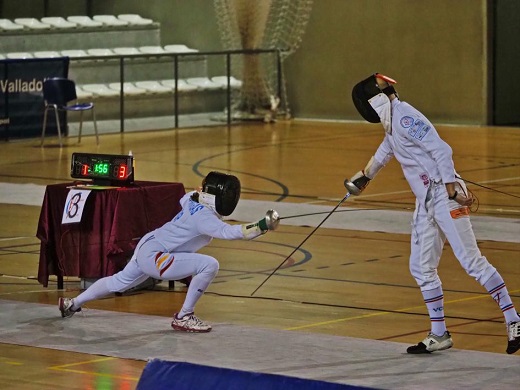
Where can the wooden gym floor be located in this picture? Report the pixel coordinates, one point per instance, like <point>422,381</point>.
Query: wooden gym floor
<point>356,282</point>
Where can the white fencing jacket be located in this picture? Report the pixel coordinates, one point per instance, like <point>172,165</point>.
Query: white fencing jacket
<point>194,227</point>
<point>424,157</point>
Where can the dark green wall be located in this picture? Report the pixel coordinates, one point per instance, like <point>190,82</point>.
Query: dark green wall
<point>506,105</point>
<point>436,50</point>
<point>439,51</point>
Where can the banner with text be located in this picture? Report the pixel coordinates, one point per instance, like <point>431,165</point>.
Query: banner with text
<point>21,96</point>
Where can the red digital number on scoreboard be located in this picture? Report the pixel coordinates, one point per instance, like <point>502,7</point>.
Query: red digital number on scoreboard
<point>84,170</point>
<point>122,171</point>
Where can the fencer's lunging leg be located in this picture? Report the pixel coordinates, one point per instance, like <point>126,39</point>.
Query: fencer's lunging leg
<point>205,273</point>
<point>129,277</point>
<point>97,290</point>
<point>202,268</point>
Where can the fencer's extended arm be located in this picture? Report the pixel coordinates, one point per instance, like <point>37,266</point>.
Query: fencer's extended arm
<point>357,183</point>
<point>255,229</point>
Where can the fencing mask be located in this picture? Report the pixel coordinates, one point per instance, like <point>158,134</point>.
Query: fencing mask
<point>367,89</point>
<point>221,192</point>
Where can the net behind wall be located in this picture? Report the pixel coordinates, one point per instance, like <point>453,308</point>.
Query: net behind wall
<point>261,24</point>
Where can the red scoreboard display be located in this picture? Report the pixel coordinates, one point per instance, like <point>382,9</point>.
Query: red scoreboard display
<point>103,169</point>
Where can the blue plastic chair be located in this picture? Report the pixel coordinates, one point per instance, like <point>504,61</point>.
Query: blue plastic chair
<point>59,94</point>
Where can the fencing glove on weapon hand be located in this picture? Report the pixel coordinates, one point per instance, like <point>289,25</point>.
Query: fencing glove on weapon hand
<point>357,183</point>
<point>269,222</point>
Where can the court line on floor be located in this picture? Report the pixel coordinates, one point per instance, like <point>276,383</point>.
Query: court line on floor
<point>63,367</point>
<point>16,238</point>
<point>338,320</point>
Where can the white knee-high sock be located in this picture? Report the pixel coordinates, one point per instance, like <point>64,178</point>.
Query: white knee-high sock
<point>498,291</point>
<point>97,290</point>
<point>434,300</point>
<point>198,285</point>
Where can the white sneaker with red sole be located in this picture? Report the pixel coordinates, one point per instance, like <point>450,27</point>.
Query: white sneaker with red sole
<point>190,323</point>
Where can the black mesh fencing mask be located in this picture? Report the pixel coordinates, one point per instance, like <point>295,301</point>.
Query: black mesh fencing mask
<point>226,189</point>
<point>366,90</point>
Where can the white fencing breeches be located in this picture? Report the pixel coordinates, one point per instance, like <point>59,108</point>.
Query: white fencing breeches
<point>151,260</point>
<point>434,222</point>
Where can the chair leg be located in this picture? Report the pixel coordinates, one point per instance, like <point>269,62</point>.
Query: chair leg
<point>80,126</point>
<point>58,125</point>
<point>44,124</point>
<point>95,125</point>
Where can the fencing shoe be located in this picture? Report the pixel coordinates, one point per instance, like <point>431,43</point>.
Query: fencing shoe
<point>432,343</point>
<point>190,323</point>
<point>513,335</point>
<point>65,306</point>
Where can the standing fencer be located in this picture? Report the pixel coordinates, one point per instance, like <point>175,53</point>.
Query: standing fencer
<point>441,207</point>
<point>169,252</point>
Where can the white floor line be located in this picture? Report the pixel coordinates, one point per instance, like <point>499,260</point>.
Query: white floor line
<point>389,221</point>
<point>15,238</point>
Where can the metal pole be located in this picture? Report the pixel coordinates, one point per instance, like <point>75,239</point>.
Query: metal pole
<point>176,90</point>
<point>279,75</point>
<point>121,95</point>
<point>228,68</point>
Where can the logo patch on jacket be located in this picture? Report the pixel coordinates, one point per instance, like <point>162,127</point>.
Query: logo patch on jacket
<point>406,121</point>
<point>419,130</point>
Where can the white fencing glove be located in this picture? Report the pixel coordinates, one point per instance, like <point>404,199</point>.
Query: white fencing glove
<point>357,183</point>
<point>255,229</point>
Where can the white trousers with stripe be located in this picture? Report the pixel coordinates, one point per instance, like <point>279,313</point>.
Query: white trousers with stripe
<point>150,260</point>
<point>434,222</point>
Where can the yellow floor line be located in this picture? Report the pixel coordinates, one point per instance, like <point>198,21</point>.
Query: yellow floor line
<point>63,367</point>
<point>11,362</point>
<point>316,324</point>
<point>100,374</point>
<point>84,362</point>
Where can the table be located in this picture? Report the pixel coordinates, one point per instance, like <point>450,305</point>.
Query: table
<point>113,221</point>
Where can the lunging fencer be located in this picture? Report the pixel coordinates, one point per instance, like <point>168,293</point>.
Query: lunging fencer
<point>169,252</point>
<point>441,207</point>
